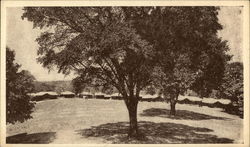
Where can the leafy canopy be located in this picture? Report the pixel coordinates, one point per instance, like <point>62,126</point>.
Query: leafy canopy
<point>189,53</point>
<point>121,46</point>
<point>232,87</point>
<point>94,42</point>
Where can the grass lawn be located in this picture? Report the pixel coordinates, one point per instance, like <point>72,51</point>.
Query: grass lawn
<point>106,121</point>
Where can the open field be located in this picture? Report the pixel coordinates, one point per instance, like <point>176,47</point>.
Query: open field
<point>106,121</point>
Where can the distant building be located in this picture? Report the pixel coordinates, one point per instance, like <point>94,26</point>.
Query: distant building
<point>99,95</point>
<point>116,96</point>
<point>67,94</point>
<point>150,98</point>
<point>210,102</point>
<point>39,96</point>
<point>107,96</point>
<point>86,95</point>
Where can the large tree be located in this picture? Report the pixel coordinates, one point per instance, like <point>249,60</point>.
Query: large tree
<point>97,44</point>
<point>18,85</point>
<point>189,53</point>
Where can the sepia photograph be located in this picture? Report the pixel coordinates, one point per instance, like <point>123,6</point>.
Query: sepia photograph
<point>155,74</point>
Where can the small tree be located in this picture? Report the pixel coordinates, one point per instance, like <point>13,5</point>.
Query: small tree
<point>78,85</point>
<point>232,87</point>
<point>18,85</point>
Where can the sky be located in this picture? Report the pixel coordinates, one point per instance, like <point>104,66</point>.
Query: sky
<point>21,37</point>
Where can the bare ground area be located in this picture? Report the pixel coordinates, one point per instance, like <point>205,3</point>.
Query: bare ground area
<point>77,121</point>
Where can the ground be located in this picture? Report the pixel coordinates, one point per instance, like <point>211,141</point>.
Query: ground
<point>76,120</point>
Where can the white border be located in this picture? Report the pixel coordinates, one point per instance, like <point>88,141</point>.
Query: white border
<point>5,4</point>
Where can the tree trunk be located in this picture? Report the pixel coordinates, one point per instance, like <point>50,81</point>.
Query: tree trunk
<point>173,101</point>
<point>132,109</point>
<point>172,106</point>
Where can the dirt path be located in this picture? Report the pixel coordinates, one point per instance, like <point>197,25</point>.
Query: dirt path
<point>66,136</point>
<point>69,136</point>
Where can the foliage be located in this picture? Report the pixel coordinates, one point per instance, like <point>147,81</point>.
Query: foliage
<point>189,53</point>
<point>83,83</point>
<point>41,86</point>
<point>57,86</point>
<point>232,86</point>
<point>79,85</point>
<point>95,42</point>
<point>18,85</point>
<point>151,89</point>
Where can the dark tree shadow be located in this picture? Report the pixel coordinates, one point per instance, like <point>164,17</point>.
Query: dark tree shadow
<point>180,114</point>
<point>154,133</point>
<point>37,138</point>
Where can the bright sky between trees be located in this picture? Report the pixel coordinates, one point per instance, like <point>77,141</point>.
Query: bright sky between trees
<point>21,38</point>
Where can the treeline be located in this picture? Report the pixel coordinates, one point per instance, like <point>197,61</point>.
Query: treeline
<point>60,86</point>
<point>57,86</point>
